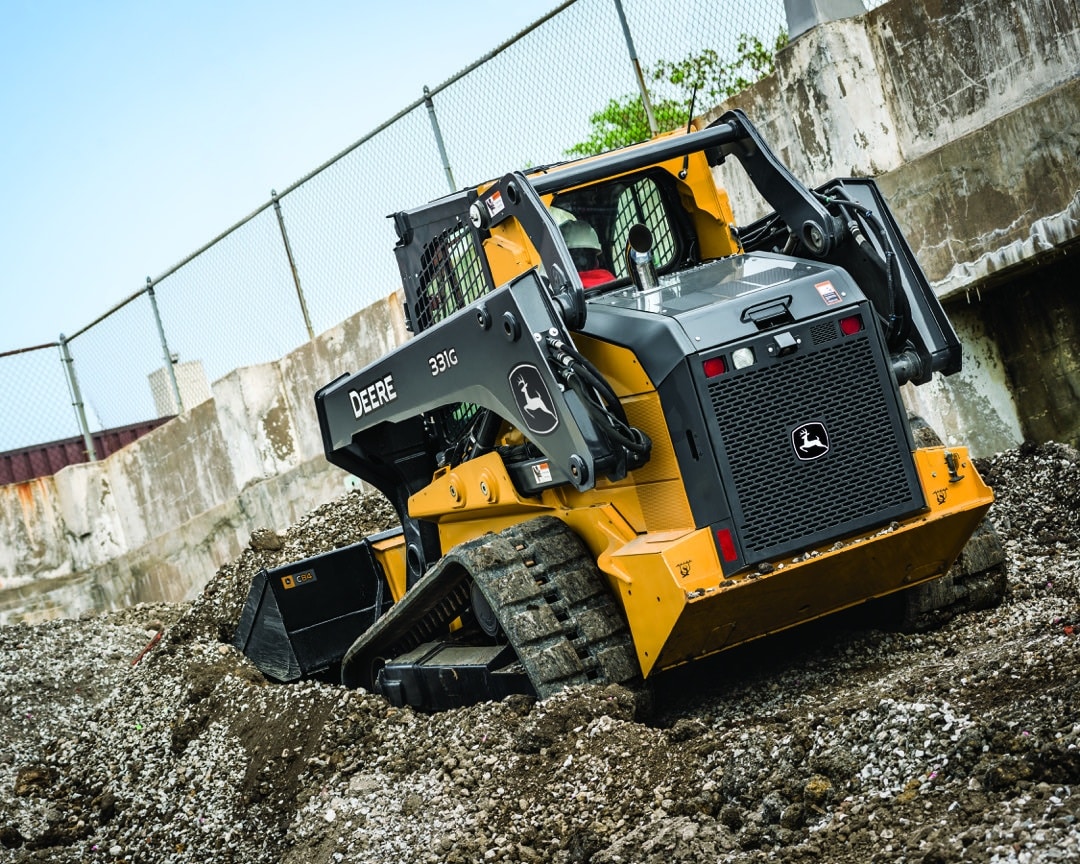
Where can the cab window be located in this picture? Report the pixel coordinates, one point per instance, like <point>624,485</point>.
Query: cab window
<point>613,207</point>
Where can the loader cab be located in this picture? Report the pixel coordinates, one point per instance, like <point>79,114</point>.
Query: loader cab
<point>648,198</point>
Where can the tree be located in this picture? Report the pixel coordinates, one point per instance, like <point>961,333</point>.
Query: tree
<point>716,80</point>
<point>622,121</point>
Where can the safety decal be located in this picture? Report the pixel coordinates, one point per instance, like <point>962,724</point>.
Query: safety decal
<point>541,472</point>
<point>495,203</point>
<point>534,402</point>
<point>810,441</point>
<point>828,293</point>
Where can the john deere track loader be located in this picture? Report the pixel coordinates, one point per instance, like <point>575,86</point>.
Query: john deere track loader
<point>705,446</point>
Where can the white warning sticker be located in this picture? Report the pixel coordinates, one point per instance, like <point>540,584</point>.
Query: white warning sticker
<point>495,203</point>
<point>828,293</point>
<point>541,472</point>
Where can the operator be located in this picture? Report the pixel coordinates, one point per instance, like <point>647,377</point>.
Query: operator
<point>584,248</point>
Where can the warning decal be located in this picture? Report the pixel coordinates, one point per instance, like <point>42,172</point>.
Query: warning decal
<point>495,204</point>
<point>829,294</point>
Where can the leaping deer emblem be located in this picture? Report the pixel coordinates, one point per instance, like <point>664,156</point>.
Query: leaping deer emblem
<point>808,442</point>
<point>815,441</point>
<point>532,404</point>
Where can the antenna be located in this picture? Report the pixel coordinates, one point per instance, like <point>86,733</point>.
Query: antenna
<point>689,126</point>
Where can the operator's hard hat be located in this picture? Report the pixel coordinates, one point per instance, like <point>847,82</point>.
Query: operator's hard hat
<point>580,235</point>
<point>560,215</point>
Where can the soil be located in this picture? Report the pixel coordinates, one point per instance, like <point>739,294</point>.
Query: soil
<point>143,735</point>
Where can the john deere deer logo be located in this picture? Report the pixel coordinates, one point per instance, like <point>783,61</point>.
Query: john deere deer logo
<point>810,441</point>
<point>533,399</point>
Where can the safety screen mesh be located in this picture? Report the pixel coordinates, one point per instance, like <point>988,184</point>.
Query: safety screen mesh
<point>642,203</point>
<point>452,276</point>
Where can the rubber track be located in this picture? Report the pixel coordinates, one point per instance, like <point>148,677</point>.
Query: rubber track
<point>551,600</point>
<point>555,607</point>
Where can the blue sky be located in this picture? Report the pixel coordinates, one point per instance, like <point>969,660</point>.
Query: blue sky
<point>134,132</point>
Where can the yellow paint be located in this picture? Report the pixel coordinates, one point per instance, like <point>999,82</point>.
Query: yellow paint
<point>619,365</point>
<point>922,547</point>
<point>390,553</point>
<point>660,571</point>
<point>510,252</point>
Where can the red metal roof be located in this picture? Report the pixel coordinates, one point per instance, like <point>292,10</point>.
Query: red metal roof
<point>44,460</point>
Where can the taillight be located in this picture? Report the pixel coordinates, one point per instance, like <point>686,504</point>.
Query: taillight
<point>851,325</point>
<point>727,544</point>
<point>714,366</point>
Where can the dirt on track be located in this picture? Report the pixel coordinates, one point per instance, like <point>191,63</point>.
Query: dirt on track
<point>835,742</point>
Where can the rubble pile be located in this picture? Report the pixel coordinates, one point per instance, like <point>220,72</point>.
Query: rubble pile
<point>143,735</point>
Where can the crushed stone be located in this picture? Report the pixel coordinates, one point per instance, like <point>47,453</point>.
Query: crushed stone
<point>143,735</point>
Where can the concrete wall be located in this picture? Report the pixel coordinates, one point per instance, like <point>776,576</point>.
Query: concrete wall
<point>156,519</point>
<point>967,112</point>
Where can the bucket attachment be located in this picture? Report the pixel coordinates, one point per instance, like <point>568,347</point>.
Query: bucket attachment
<point>301,618</point>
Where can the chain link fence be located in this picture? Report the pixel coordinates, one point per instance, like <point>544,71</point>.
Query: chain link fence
<point>320,250</point>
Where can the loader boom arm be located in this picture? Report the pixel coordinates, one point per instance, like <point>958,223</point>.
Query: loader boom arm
<point>453,362</point>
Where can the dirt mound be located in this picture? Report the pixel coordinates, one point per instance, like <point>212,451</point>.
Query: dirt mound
<point>831,742</point>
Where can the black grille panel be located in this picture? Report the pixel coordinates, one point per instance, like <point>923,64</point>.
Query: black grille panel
<point>784,504</point>
<point>452,276</point>
<point>823,332</point>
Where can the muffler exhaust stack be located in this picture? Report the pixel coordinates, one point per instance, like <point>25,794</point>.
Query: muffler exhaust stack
<point>639,258</point>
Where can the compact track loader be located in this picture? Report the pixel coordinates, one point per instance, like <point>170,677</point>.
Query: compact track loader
<point>703,447</point>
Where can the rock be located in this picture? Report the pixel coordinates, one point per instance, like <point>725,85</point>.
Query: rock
<point>32,780</point>
<point>266,540</point>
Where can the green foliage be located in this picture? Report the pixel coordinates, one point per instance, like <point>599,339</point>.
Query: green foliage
<point>716,80</point>
<point>622,121</point>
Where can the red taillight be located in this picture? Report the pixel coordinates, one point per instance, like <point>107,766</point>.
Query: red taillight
<point>727,544</point>
<point>851,325</point>
<point>714,366</point>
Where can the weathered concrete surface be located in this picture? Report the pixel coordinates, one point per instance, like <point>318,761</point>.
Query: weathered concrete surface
<point>968,116</point>
<point>950,66</point>
<point>1035,323</point>
<point>999,197</point>
<point>975,407</point>
<point>157,518</point>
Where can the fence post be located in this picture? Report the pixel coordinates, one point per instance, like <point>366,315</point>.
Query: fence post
<point>169,368</point>
<point>292,265</point>
<point>76,398</point>
<point>439,139</point>
<point>645,101</point>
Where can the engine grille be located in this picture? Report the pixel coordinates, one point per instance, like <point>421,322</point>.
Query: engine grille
<point>783,504</point>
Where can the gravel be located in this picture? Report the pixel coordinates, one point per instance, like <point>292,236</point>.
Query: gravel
<point>142,735</point>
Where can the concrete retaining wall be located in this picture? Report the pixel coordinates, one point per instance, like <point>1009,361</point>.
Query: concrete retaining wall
<point>156,519</point>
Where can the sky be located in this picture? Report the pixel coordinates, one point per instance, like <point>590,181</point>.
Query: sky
<point>134,131</point>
